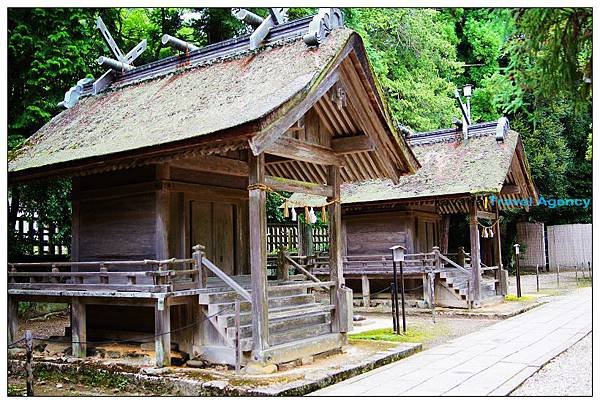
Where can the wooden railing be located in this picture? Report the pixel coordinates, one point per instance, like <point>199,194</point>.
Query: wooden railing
<point>162,276</point>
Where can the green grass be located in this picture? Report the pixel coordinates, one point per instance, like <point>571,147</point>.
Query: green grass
<point>514,298</point>
<point>584,282</point>
<point>386,334</point>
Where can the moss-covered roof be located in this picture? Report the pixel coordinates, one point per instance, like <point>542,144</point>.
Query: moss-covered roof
<point>475,166</point>
<point>190,103</point>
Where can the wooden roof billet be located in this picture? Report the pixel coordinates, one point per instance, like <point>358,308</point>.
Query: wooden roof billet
<point>219,98</point>
<point>452,172</point>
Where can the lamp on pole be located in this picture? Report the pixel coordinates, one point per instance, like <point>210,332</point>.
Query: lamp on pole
<point>398,257</point>
<point>517,254</point>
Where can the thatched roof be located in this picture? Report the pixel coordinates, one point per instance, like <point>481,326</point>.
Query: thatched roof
<point>213,100</point>
<point>191,102</point>
<point>451,168</point>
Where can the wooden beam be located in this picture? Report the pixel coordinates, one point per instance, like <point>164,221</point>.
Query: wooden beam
<point>300,150</point>
<point>276,128</point>
<point>475,264</point>
<point>162,332</point>
<point>486,215</point>
<point>352,144</point>
<point>78,328</point>
<point>258,253</point>
<point>336,274</point>
<point>215,164</point>
<point>285,184</point>
<point>510,189</point>
<point>368,119</point>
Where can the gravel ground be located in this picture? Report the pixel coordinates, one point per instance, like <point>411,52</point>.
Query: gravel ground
<point>568,281</point>
<point>569,374</point>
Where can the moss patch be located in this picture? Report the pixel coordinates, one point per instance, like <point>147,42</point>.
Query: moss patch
<point>514,298</point>
<point>413,334</point>
<point>584,282</point>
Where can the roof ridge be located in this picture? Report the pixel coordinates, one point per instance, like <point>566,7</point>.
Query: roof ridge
<point>224,50</point>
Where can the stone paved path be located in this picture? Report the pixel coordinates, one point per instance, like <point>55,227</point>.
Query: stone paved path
<point>493,361</point>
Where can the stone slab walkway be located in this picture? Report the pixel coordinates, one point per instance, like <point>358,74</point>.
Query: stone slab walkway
<point>493,361</point>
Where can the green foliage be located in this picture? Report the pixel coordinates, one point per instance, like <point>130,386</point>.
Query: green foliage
<point>553,52</point>
<point>413,56</point>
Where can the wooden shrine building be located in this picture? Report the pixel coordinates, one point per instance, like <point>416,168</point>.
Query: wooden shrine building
<point>171,163</point>
<point>475,175</point>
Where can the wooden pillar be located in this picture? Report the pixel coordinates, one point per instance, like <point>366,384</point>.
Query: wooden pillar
<point>78,327</point>
<point>366,291</point>
<point>258,251</point>
<point>475,264</point>
<point>426,291</point>
<point>162,332</point>
<point>445,234</point>
<point>501,276</point>
<point>162,213</point>
<point>335,245</point>
<point>13,319</point>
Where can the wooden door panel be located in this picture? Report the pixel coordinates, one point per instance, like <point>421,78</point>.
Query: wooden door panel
<point>201,226</point>
<point>223,240</point>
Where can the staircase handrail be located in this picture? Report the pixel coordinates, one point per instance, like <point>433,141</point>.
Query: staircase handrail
<point>454,264</point>
<point>299,267</point>
<point>227,279</point>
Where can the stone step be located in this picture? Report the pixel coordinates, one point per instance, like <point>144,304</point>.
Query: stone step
<point>274,302</point>
<point>285,323</point>
<point>290,335</point>
<point>226,320</point>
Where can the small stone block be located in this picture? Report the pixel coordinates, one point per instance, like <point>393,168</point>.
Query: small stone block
<point>254,368</point>
<point>308,360</point>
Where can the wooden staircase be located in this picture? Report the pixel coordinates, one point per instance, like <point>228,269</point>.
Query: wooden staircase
<point>453,286</point>
<point>294,316</point>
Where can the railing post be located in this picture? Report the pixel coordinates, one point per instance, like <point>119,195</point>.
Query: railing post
<point>29,362</point>
<point>282,264</point>
<point>11,279</point>
<point>238,345</point>
<point>198,255</point>
<point>55,269</point>
<point>460,257</point>
<point>103,274</point>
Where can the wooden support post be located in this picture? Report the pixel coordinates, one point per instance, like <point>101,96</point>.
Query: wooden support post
<point>162,332</point>
<point>445,234</point>
<point>283,273</point>
<point>78,328</point>
<point>13,319</point>
<point>29,362</point>
<point>198,256</point>
<point>366,291</point>
<point>426,294</point>
<point>501,288</point>
<point>162,213</point>
<point>475,264</point>
<point>258,252</point>
<point>335,245</point>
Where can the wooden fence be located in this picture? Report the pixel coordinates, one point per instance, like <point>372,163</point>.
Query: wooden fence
<point>281,234</point>
<point>38,240</point>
